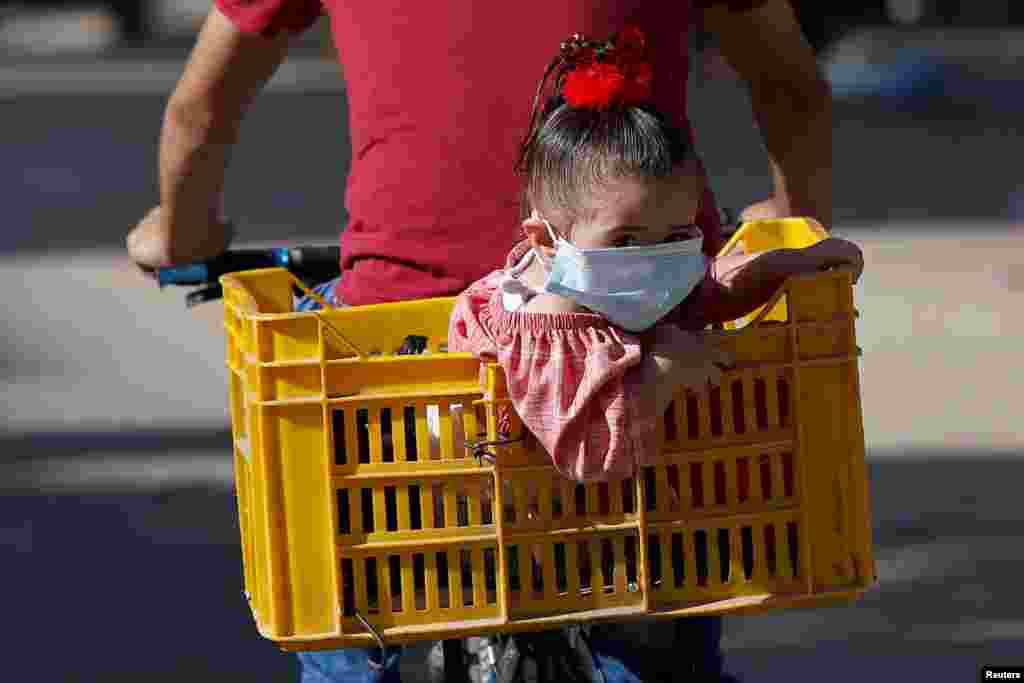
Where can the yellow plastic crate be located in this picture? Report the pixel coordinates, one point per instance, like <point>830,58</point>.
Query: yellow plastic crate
<point>351,508</point>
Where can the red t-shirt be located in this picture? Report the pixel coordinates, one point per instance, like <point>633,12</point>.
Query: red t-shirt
<point>439,98</point>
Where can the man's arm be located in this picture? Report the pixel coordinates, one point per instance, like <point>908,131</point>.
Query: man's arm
<point>791,100</point>
<point>225,72</point>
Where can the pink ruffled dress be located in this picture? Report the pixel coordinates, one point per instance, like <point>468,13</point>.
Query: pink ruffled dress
<point>573,378</point>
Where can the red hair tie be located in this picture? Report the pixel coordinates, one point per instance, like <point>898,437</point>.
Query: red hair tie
<point>594,75</point>
<point>605,75</point>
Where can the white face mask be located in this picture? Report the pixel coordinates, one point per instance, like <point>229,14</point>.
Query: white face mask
<point>634,287</point>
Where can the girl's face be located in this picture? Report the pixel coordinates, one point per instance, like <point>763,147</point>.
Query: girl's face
<point>630,212</point>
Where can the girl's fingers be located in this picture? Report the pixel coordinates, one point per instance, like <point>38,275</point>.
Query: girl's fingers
<point>724,357</point>
<point>717,354</point>
<point>852,268</point>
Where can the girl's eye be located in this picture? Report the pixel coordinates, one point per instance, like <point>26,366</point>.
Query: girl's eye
<point>684,234</point>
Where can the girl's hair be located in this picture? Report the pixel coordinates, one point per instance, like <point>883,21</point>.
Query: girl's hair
<point>572,151</point>
<point>599,124</point>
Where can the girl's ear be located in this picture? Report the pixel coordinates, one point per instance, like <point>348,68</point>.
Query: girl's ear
<point>536,231</point>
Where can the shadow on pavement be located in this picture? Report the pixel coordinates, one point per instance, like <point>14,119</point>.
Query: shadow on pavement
<point>130,587</point>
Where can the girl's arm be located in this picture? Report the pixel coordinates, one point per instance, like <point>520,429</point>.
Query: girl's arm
<point>674,358</point>
<point>593,397</point>
<point>553,303</point>
<point>740,283</point>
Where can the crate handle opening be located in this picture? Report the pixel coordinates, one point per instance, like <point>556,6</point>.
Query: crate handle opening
<point>326,307</point>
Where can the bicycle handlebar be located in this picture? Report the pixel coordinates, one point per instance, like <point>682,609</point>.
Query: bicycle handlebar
<point>313,265</point>
<point>313,262</point>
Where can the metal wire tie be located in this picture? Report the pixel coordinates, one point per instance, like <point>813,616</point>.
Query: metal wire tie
<point>377,636</point>
<point>480,452</point>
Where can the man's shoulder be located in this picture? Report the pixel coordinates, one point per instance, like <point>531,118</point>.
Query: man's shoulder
<point>269,17</point>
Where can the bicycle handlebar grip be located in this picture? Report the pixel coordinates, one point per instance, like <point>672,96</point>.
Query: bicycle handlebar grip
<point>250,259</point>
<point>192,274</point>
<point>208,272</point>
<point>311,264</point>
<point>312,257</point>
<point>316,263</point>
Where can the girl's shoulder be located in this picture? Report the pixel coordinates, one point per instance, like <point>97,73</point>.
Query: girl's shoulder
<point>514,264</point>
<point>504,304</point>
<point>543,302</point>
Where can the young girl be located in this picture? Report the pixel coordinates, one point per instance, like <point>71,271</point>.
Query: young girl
<point>593,316</point>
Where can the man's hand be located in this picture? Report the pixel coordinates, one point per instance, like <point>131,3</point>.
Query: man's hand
<point>152,244</point>
<point>766,210</point>
<point>674,358</point>
<point>838,254</point>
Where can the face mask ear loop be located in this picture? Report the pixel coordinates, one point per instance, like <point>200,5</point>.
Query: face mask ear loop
<point>544,260</point>
<point>554,238</point>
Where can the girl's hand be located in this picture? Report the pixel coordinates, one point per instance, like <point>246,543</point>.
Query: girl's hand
<point>765,209</point>
<point>689,358</point>
<point>836,253</point>
<point>546,302</point>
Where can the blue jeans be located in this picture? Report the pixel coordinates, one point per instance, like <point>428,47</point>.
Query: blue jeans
<point>351,665</point>
<point>325,291</point>
<point>677,651</point>
<point>680,650</point>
